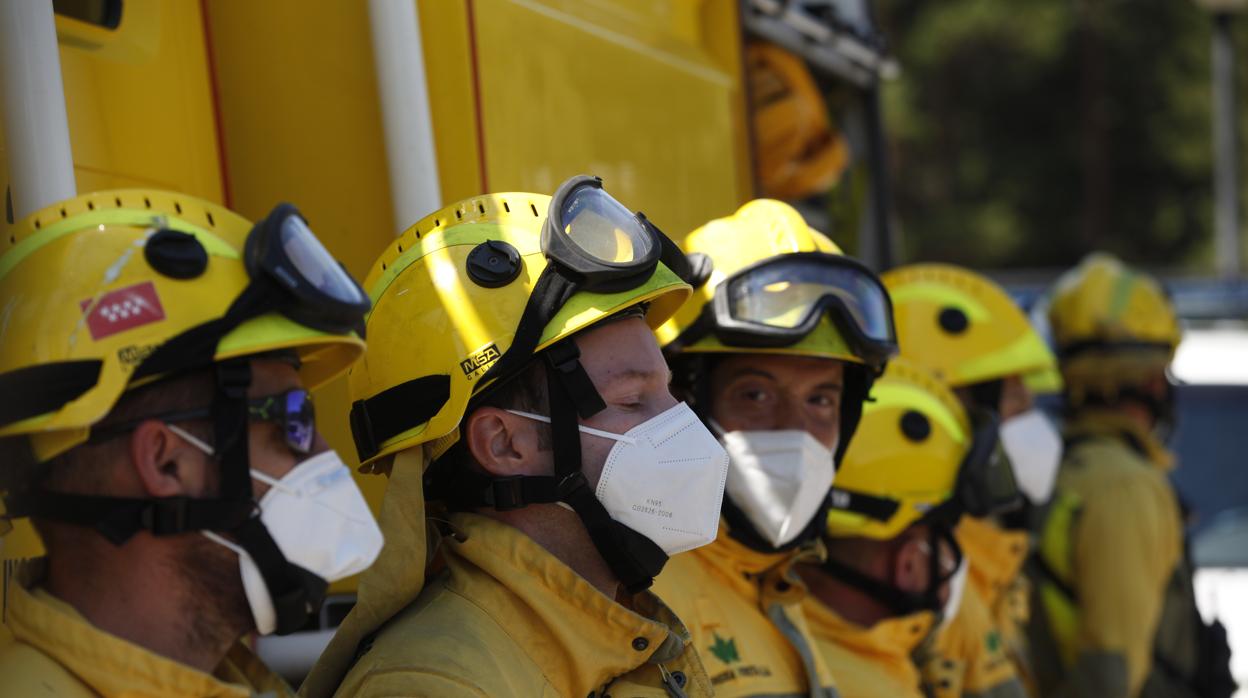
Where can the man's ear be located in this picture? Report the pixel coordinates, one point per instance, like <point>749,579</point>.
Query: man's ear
<point>910,565</point>
<point>503,443</point>
<point>165,464</point>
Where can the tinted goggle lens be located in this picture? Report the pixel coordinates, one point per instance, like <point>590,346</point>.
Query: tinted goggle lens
<point>314,264</point>
<point>603,228</point>
<point>785,294</point>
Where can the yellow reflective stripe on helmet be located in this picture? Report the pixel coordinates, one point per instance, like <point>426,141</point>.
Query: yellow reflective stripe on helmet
<point>1028,354</point>
<point>525,242</point>
<point>1055,552</point>
<point>214,245</point>
<point>921,291</point>
<point>890,395</point>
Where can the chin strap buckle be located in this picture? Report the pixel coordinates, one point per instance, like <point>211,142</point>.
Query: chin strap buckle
<point>506,493</point>
<point>165,517</point>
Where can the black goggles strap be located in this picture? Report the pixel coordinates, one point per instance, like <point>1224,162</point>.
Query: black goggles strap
<point>549,294</point>
<point>197,346</point>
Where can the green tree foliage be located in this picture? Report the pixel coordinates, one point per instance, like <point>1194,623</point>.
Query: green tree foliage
<point>1028,132</point>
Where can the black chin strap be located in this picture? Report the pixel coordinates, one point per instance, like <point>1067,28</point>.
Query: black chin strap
<point>903,603</point>
<point>633,558</point>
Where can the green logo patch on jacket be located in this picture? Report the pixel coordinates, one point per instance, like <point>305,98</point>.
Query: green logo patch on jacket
<point>725,650</point>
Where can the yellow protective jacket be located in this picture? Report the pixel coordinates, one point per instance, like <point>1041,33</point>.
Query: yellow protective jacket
<point>743,611</point>
<point>53,651</point>
<point>874,662</point>
<point>1112,595</point>
<point>996,557</point>
<point>967,657</point>
<point>507,618</point>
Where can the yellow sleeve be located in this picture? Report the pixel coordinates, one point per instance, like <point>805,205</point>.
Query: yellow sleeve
<point>418,684</point>
<point>1127,543</point>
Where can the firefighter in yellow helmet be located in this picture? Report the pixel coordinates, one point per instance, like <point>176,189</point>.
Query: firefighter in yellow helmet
<point>155,356</point>
<point>916,465</point>
<point>967,330</point>
<point>1115,612</point>
<point>512,347</point>
<point>776,353</point>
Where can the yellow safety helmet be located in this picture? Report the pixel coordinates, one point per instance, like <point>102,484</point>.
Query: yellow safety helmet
<point>1113,327</point>
<point>905,459</point>
<point>449,298</point>
<point>768,316</point>
<point>962,326</point>
<point>92,288</point>
<point>798,152</point>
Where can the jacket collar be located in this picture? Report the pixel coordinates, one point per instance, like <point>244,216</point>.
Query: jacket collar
<point>755,574</point>
<point>995,554</point>
<point>1105,423</point>
<point>112,666</point>
<point>892,638</point>
<point>581,638</point>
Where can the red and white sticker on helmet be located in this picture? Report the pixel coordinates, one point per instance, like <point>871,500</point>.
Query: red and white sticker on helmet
<point>123,309</point>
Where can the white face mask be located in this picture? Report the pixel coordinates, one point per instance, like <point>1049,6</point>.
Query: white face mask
<point>1035,450</point>
<point>779,479</point>
<point>664,478</point>
<point>957,586</point>
<point>319,520</point>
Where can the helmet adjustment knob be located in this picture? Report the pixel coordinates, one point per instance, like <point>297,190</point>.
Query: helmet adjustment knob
<point>493,264</point>
<point>915,426</point>
<point>953,320</point>
<point>176,254</point>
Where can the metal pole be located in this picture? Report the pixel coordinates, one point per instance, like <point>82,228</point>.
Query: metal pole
<point>32,100</point>
<point>1225,149</point>
<point>410,154</point>
<point>877,245</point>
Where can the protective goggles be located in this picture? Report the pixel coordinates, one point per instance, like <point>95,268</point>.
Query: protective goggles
<point>291,273</point>
<point>291,410</point>
<point>591,243</point>
<point>986,484</point>
<point>318,291</point>
<point>780,300</point>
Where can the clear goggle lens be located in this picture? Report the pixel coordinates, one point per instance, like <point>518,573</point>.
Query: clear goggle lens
<point>601,227</point>
<point>785,294</point>
<point>314,263</point>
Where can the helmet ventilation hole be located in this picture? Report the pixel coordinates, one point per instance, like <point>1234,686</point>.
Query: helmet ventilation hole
<point>480,207</point>
<point>507,207</point>
<point>533,208</point>
<point>459,214</point>
<point>147,202</point>
<point>210,219</point>
<point>63,214</point>
<point>177,207</point>
<point>38,225</point>
<point>117,200</point>
<point>90,205</point>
